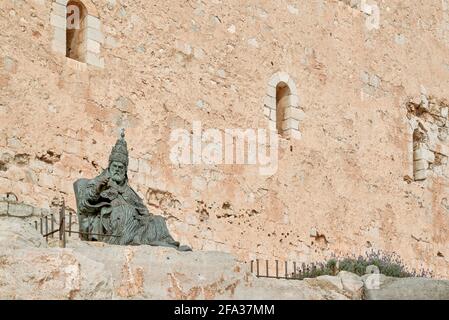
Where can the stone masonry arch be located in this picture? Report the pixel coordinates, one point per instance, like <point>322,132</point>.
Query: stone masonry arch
<point>94,38</point>
<point>282,93</point>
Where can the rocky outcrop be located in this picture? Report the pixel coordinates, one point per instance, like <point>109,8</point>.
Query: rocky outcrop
<point>15,233</point>
<point>112,272</point>
<point>92,270</point>
<point>29,269</point>
<point>380,287</point>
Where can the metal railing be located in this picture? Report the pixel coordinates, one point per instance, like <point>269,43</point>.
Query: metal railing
<point>283,269</point>
<point>47,223</point>
<point>47,229</point>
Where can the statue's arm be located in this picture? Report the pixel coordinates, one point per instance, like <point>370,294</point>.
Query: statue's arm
<point>138,203</point>
<point>91,194</point>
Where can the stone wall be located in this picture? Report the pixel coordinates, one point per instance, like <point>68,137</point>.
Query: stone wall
<point>346,186</point>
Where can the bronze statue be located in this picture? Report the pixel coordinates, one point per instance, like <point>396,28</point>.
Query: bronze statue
<point>110,210</point>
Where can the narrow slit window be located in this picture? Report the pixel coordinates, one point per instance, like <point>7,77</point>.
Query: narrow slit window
<point>282,103</point>
<point>76,31</point>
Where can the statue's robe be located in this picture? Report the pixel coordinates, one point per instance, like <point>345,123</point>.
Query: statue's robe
<point>119,216</point>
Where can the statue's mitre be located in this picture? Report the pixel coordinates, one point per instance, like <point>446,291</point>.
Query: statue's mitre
<point>119,152</point>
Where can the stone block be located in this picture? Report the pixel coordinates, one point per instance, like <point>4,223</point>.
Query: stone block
<point>424,102</point>
<point>3,208</point>
<point>46,180</point>
<point>366,8</point>
<point>274,81</point>
<point>272,115</point>
<point>284,77</point>
<point>253,42</point>
<point>295,134</point>
<point>420,165</point>
<point>231,29</point>
<point>199,183</point>
<point>133,164</point>
<point>93,22</point>
<point>185,48</point>
<point>20,210</point>
<point>144,166</point>
<point>266,111</point>
<point>94,34</point>
<point>221,73</point>
<point>420,175</point>
<point>442,149</point>
<point>57,21</point>
<point>59,9</point>
<point>429,156</point>
<point>58,47</point>
<point>271,91</point>
<point>272,125</point>
<point>372,269</point>
<point>94,60</point>
<point>374,81</point>
<point>418,154</point>
<point>364,76</point>
<point>59,35</point>
<point>292,87</point>
<point>76,65</point>
<point>290,124</point>
<point>292,9</point>
<point>294,100</point>
<point>423,154</point>
<point>73,146</point>
<point>400,39</point>
<point>439,148</point>
<point>93,46</point>
<point>270,102</point>
<point>294,113</point>
<point>198,53</point>
<point>111,42</point>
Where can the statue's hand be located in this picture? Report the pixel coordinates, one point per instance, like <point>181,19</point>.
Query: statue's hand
<point>102,181</point>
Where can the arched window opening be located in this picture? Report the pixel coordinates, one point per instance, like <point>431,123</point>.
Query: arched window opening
<point>76,31</point>
<point>420,155</point>
<point>281,106</point>
<point>282,103</point>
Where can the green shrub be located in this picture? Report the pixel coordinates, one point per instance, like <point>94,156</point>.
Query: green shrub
<point>389,264</point>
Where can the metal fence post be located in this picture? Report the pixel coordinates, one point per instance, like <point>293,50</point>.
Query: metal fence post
<point>52,217</point>
<point>70,224</point>
<point>46,228</point>
<point>63,224</point>
<point>62,238</point>
<point>257,267</point>
<point>277,269</point>
<point>266,267</point>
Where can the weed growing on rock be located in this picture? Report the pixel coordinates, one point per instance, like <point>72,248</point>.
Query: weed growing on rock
<point>389,264</point>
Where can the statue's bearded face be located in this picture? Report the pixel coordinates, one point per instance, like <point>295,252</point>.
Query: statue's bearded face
<point>117,170</point>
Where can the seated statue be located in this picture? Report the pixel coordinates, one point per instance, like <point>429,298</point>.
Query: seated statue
<point>109,210</point>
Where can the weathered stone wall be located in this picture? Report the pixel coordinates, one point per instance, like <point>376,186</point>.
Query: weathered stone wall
<point>346,186</point>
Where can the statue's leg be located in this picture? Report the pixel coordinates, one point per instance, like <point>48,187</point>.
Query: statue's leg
<point>95,228</point>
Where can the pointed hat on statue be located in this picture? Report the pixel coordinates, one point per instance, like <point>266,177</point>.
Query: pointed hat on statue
<point>119,152</point>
